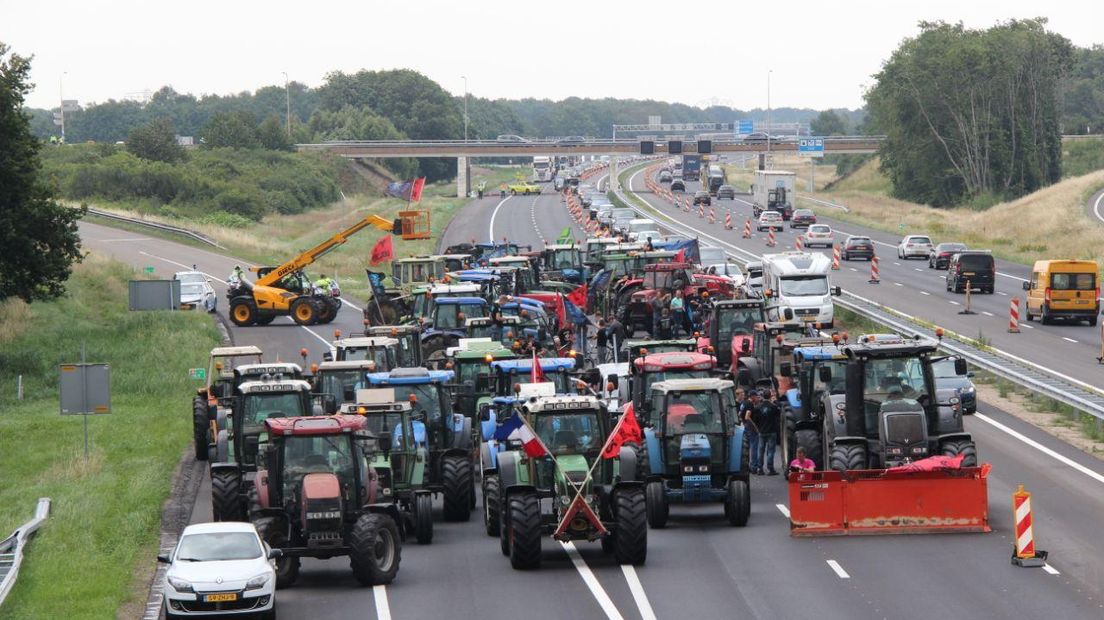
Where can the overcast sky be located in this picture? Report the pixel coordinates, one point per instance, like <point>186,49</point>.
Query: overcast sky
<point>821,53</point>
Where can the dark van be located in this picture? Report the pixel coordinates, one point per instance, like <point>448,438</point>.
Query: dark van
<point>976,267</point>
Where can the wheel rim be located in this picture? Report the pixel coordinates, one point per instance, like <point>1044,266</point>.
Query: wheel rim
<point>242,312</point>
<point>383,551</point>
<point>303,312</point>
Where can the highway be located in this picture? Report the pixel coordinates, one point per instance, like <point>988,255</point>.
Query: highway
<point>698,566</point>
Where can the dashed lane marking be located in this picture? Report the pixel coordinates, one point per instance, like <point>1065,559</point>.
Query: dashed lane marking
<point>782,508</point>
<point>1041,448</point>
<point>383,608</point>
<point>842,574</point>
<point>1050,569</point>
<point>1069,339</point>
<point>638,593</point>
<point>592,582</point>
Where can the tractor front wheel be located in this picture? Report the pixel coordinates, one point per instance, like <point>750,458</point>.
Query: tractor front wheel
<point>287,567</point>
<point>656,502</point>
<point>226,500</point>
<point>492,501</point>
<point>374,549</point>
<point>847,457</point>
<point>738,503</point>
<point>200,427</point>
<point>630,542</point>
<point>525,530</point>
<point>458,481</point>
<point>423,518</point>
<point>965,447</point>
<point>243,312</point>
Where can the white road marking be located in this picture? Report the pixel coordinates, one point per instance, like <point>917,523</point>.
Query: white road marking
<point>1041,448</point>
<point>783,509</point>
<point>1026,325</point>
<point>1096,206</point>
<point>953,302</point>
<point>172,262</point>
<point>842,574</point>
<point>592,582</point>
<point>917,269</point>
<point>639,595</point>
<point>1002,293</point>
<point>897,284</point>
<point>1050,569</point>
<point>1069,339</point>
<point>853,269</point>
<point>494,214</point>
<point>383,608</point>
<point>987,313</point>
<point>123,239</point>
<point>925,293</point>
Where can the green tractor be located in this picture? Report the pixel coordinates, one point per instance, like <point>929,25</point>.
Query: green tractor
<point>592,498</point>
<point>409,353</point>
<point>220,384</point>
<point>475,377</point>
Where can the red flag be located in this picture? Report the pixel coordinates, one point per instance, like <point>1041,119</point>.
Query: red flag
<point>578,296</point>
<point>416,190</point>
<point>536,375</point>
<point>382,251</point>
<point>627,429</point>
<point>577,506</point>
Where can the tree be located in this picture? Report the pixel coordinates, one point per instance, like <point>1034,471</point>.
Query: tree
<point>155,141</point>
<point>971,112</point>
<point>828,123</point>
<point>272,134</point>
<point>39,236</point>
<point>231,129</point>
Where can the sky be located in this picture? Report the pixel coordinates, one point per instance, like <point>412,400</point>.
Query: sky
<point>818,54</point>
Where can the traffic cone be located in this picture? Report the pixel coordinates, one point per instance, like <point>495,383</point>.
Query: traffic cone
<point>835,258</point>
<point>701,210</point>
<point>1024,553</point>
<point>797,243</point>
<point>747,228</point>
<point>874,279</point>
<point>712,215</point>
<point>1014,316</point>
<point>685,204</point>
<point>728,220</point>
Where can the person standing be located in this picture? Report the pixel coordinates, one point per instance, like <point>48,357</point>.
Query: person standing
<point>752,430</point>
<point>678,313</point>
<point>602,342</point>
<point>616,335</point>
<point>767,416</point>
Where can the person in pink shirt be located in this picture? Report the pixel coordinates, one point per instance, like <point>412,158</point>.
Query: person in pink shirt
<point>802,462</point>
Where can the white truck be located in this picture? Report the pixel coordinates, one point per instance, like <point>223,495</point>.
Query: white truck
<point>799,281</point>
<point>543,169</point>
<point>773,190</point>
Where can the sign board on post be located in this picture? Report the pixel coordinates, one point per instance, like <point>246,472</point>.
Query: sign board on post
<point>745,127</point>
<point>197,373</point>
<point>154,294</point>
<point>810,147</point>
<point>84,388</point>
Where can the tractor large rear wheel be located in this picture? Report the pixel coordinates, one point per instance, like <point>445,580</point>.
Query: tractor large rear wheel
<point>327,309</point>
<point>848,456</point>
<point>305,311</point>
<point>287,568</point>
<point>630,542</point>
<point>656,503</point>
<point>492,505</point>
<point>201,426</point>
<point>226,499</point>
<point>738,502</point>
<point>243,312</point>
<point>457,480</point>
<point>374,549</point>
<point>525,530</point>
<point>965,447</point>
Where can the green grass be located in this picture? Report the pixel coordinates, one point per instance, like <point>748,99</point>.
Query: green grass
<point>106,510</point>
<point>1082,156</point>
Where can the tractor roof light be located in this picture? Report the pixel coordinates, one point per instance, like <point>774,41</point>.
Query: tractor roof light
<point>488,358</point>
<point>572,353</point>
<point>517,388</point>
<point>303,353</point>
<point>314,368</point>
<point>394,332</point>
<point>218,365</point>
<point>939,332</point>
<point>362,410</point>
<point>412,398</point>
<point>778,338</point>
<point>449,365</point>
<point>365,322</point>
<point>337,334</point>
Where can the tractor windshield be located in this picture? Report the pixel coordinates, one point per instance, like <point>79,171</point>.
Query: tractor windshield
<point>694,412</point>
<point>429,398</point>
<point>447,316</point>
<point>396,426</point>
<point>659,280</point>
<point>259,407</point>
<point>569,433</point>
<point>469,371</point>
<point>343,384</point>
<point>736,320</point>
<point>837,384</point>
<point>317,454</point>
<point>892,379</point>
<point>565,259</point>
<point>656,377</point>
<point>384,357</point>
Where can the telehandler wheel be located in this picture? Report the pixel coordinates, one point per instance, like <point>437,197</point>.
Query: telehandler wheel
<point>492,509</point>
<point>226,500</point>
<point>965,447</point>
<point>243,312</point>
<point>847,456</point>
<point>738,503</point>
<point>423,518</point>
<point>525,530</point>
<point>200,426</point>
<point>656,503</point>
<point>457,480</point>
<point>630,543</point>
<point>304,311</point>
<point>374,549</point>
<point>287,567</point>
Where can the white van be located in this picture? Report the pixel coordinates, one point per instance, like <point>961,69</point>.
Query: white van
<point>648,227</point>
<point>799,281</point>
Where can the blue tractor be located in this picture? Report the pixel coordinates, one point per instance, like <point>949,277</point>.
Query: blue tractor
<point>695,450</point>
<point>446,325</point>
<point>446,435</point>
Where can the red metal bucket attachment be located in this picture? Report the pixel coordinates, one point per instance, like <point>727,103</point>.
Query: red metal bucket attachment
<point>876,501</point>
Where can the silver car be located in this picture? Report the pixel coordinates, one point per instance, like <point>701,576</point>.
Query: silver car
<point>196,295</point>
<point>914,246</point>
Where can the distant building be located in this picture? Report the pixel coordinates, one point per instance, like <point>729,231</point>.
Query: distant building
<point>185,141</point>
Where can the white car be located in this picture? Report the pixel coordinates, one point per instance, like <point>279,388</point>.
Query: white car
<point>729,271</point>
<point>220,568</point>
<point>769,220</point>
<point>818,234</point>
<point>187,277</point>
<point>196,295</point>
<point>644,235</point>
<point>914,246</point>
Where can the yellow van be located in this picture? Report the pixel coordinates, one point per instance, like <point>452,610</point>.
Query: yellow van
<point>1063,289</point>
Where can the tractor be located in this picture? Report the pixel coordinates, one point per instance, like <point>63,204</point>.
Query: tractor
<point>317,496</point>
<point>510,329</point>
<point>389,306</point>
<point>696,450</point>
<point>563,262</point>
<point>446,326</point>
<point>450,435</point>
<point>409,353</point>
<point>508,374</point>
<point>771,344</point>
<point>647,370</point>
<point>632,349</point>
<point>638,306</point>
<point>471,361</point>
<point>578,481</point>
<point>380,350</point>
<point>890,412</point>
<point>729,326</point>
<point>337,382</point>
<point>803,404</point>
<point>220,384</point>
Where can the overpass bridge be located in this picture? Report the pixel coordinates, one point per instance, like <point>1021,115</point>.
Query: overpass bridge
<point>463,150</point>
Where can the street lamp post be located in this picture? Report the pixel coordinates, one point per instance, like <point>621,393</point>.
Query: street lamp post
<point>287,94</point>
<point>61,96</point>
<point>769,126</point>
<point>465,78</point>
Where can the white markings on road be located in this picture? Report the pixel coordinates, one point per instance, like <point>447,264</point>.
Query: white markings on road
<point>925,293</point>
<point>383,608</point>
<point>897,284</point>
<point>896,263</point>
<point>842,574</point>
<point>1041,448</point>
<point>639,595</point>
<point>953,302</point>
<point>172,262</point>
<point>1002,293</point>
<point>1026,325</point>
<point>853,269</point>
<point>494,214</point>
<point>1096,207</point>
<point>123,239</point>
<point>783,509</point>
<point>592,582</point>
<point>1069,339</point>
<point>917,269</point>
<point>1050,569</point>
<point>987,313</point>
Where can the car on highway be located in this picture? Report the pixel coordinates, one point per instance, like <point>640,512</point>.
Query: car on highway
<point>509,137</point>
<point>222,568</point>
<point>818,234</point>
<point>754,282</point>
<point>728,270</point>
<point>857,246</point>
<point>702,198</point>
<point>756,137</point>
<point>198,295</point>
<point>1065,289</point>
<point>946,378</point>
<point>914,246</point>
<point>711,255</point>
<point>770,220</point>
<point>726,191</point>
<point>941,254</point>
<point>802,218</point>
<point>973,268</point>
<point>678,185</point>
<point>665,176</point>
<point>524,187</point>
<point>643,228</point>
<point>188,277</point>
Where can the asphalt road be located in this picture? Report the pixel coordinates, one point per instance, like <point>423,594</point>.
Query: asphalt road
<point>698,566</point>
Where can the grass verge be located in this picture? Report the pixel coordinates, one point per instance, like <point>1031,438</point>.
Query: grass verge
<point>106,509</point>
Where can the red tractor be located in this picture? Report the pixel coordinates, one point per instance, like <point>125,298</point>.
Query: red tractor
<point>318,496</point>
<point>655,367</point>
<point>728,329</point>
<point>666,278</point>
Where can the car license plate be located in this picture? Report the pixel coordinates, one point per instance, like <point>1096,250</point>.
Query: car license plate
<point>186,306</point>
<point>1082,301</point>
<point>221,598</point>
<point>808,319</point>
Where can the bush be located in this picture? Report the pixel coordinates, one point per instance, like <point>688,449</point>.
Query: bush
<point>226,220</point>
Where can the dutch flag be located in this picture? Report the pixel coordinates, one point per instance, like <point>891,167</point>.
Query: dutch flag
<point>515,429</point>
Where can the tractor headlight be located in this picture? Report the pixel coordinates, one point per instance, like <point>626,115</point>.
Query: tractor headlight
<point>954,400</point>
<point>895,451</point>
<point>257,582</point>
<point>919,450</point>
<point>180,585</point>
<point>703,468</point>
<point>687,469</point>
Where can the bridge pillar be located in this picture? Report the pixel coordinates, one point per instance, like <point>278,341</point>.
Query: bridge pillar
<point>613,183</point>
<point>463,177</point>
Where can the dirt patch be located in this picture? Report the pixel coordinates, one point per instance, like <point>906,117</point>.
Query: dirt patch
<point>1053,423</point>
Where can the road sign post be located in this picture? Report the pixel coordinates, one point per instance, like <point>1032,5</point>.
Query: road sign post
<point>84,389</point>
<point>199,374</point>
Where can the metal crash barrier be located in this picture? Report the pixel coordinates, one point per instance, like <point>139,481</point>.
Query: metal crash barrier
<point>833,503</point>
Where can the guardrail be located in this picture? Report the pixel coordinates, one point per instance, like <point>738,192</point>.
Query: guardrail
<point>11,548</point>
<point>1078,394</point>
<point>157,225</point>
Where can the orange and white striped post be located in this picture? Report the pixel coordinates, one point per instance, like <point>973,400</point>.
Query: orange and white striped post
<point>1025,555</point>
<point>797,243</point>
<point>712,215</point>
<point>747,228</point>
<point>701,210</point>
<point>685,204</point>
<point>770,238</point>
<point>874,279</point>
<point>835,258</point>
<point>1014,316</point>
<point>728,220</point>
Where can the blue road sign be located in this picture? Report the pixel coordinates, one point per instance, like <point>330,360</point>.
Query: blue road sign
<point>746,127</point>
<point>810,147</point>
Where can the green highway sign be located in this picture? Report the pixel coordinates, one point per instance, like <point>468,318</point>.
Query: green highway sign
<point>149,269</point>
<point>197,373</point>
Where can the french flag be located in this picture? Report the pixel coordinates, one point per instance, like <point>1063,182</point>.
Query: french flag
<point>515,429</point>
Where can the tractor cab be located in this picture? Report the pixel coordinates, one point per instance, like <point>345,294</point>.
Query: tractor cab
<point>339,381</point>
<point>381,350</point>
<point>771,345</point>
<point>424,297</point>
<point>491,283</point>
<point>427,394</point>
<point>449,313</point>
<point>256,402</point>
<point>482,327</point>
<point>457,261</point>
<point>532,316</point>
<point>730,326</point>
<point>409,352</point>
<point>488,250</point>
<point>595,248</point>
<point>564,261</point>
<point>407,272</point>
<point>650,369</point>
<point>511,373</point>
<point>401,460</point>
<point>525,273</point>
<point>817,370</point>
<point>638,348</point>
<point>471,361</point>
<point>220,385</point>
